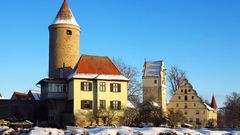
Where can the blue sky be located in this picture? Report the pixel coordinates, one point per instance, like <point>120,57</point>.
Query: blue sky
<point>202,37</point>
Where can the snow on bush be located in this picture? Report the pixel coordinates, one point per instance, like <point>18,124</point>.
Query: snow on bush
<point>46,131</point>
<point>118,131</point>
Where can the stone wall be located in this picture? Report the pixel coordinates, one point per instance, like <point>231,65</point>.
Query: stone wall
<point>15,110</point>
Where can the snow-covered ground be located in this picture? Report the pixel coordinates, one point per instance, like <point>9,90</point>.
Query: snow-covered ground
<point>120,131</point>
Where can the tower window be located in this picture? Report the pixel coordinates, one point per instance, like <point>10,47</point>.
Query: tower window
<point>155,81</point>
<point>69,32</point>
<point>186,98</point>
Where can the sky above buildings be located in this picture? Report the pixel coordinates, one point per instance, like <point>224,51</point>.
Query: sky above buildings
<point>201,37</point>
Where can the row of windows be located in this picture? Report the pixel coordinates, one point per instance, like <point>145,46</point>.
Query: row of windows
<point>185,91</point>
<point>197,121</point>
<point>185,98</point>
<point>197,112</point>
<point>88,104</point>
<point>186,105</point>
<point>114,87</point>
<point>54,88</point>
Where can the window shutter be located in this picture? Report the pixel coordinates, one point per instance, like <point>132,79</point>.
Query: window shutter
<point>111,87</point>
<point>82,85</point>
<point>90,105</point>
<point>82,103</point>
<point>119,87</point>
<point>119,105</point>
<point>111,104</point>
<point>90,86</point>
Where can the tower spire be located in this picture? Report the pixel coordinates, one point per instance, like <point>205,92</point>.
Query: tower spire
<point>65,15</point>
<point>214,103</point>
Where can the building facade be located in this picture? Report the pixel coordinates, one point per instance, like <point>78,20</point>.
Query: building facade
<point>96,84</point>
<point>197,113</point>
<point>78,84</point>
<point>154,83</point>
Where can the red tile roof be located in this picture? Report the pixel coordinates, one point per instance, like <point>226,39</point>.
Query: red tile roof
<point>65,12</point>
<point>214,103</point>
<point>89,64</point>
<point>20,94</point>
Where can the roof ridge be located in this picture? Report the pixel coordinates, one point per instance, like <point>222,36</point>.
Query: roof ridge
<point>91,64</point>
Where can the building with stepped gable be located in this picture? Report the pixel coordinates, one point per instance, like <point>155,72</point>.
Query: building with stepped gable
<point>198,113</point>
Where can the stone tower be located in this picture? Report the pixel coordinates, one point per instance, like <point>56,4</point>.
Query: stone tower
<point>154,83</point>
<point>64,43</point>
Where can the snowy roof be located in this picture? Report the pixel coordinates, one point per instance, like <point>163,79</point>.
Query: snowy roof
<point>152,68</point>
<point>208,107</point>
<point>36,94</point>
<point>96,67</point>
<point>100,77</point>
<point>155,104</point>
<point>130,105</point>
<point>1,97</point>
<point>65,15</point>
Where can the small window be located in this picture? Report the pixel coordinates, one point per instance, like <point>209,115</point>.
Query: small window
<point>186,98</point>
<point>198,121</point>
<point>102,104</point>
<point>69,32</point>
<point>102,86</point>
<point>185,105</point>
<point>115,105</point>
<point>155,81</point>
<point>197,112</point>
<point>179,97</point>
<point>185,112</point>
<point>192,97</point>
<point>190,120</point>
<point>86,86</point>
<point>185,91</point>
<point>177,105</point>
<point>181,90</point>
<point>189,90</point>
<point>194,104</point>
<point>86,104</point>
<point>114,87</point>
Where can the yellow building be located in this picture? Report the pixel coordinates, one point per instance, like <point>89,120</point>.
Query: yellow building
<point>76,84</point>
<point>197,113</point>
<point>96,84</point>
<point>154,83</point>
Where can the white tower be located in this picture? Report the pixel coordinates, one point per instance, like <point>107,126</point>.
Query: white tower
<point>154,83</point>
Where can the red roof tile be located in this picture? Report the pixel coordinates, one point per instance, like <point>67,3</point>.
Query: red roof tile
<point>20,94</point>
<point>88,64</point>
<point>214,103</point>
<point>64,13</point>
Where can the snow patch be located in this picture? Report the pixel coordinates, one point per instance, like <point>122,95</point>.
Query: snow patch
<point>99,77</point>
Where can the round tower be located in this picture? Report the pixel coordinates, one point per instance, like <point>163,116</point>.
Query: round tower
<point>64,43</point>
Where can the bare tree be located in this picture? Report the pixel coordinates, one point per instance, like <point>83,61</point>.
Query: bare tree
<point>232,110</point>
<point>134,86</point>
<point>175,75</point>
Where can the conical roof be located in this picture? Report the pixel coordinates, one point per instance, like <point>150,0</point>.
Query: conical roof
<point>65,15</point>
<point>214,103</point>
